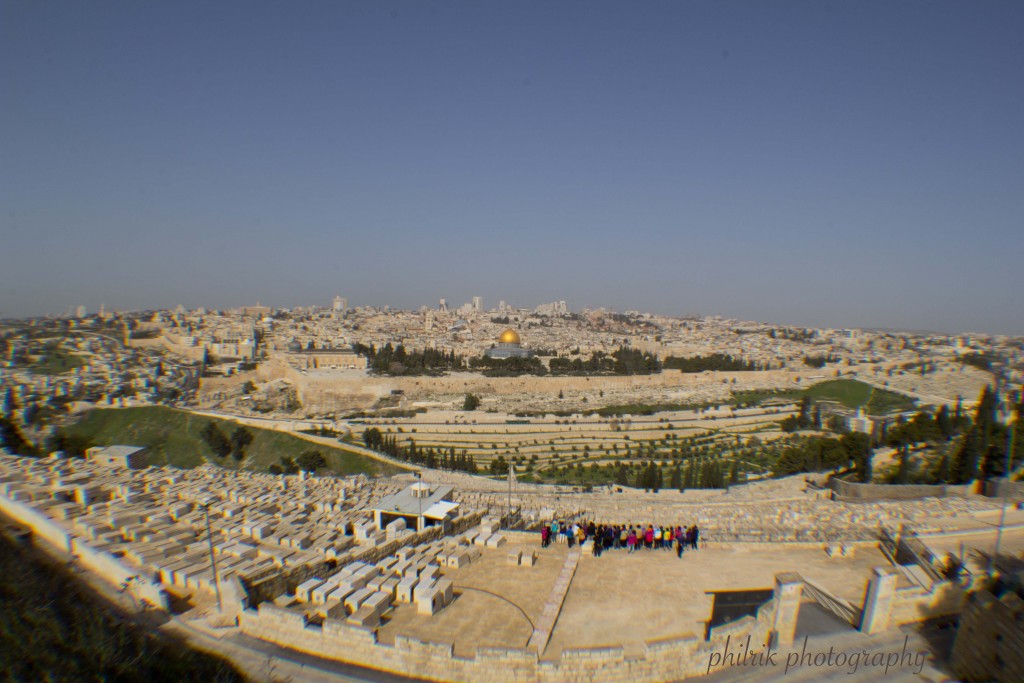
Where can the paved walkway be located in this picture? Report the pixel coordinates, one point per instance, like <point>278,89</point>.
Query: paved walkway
<point>553,606</point>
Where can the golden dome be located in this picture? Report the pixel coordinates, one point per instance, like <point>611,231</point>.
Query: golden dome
<point>509,336</point>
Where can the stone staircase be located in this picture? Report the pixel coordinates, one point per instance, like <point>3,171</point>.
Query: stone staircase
<point>546,624</point>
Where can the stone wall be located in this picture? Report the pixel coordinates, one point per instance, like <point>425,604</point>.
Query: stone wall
<point>886,606</point>
<point>1001,488</point>
<point>350,388</point>
<point>105,565</point>
<point>989,642</point>
<point>39,523</point>
<point>915,604</point>
<point>671,658</point>
<point>853,491</point>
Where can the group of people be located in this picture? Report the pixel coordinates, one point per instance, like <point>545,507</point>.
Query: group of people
<point>632,537</point>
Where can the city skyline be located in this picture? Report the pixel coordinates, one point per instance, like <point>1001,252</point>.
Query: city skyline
<point>453,309</point>
<point>802,164</point>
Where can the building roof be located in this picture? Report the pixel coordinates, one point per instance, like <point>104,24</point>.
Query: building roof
<point>510,336</point>
<point>440,509</point>
<point>117,451</point>
<point>405,503</point>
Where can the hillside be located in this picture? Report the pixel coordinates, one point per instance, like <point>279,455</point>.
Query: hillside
<point>52,628</point>
<point>173,438</point>
<point>854,394</point>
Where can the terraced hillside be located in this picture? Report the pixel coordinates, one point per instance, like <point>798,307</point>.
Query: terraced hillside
<point>544,446</point>
<point>540,444</point>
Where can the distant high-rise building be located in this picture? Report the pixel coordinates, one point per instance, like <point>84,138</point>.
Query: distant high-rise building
<point>478,303</point>
<point>81,312</point>
<point>502,305</point>
<point>340,304</point>
<point>442,305</point>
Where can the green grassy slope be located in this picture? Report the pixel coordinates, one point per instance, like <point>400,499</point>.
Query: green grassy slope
<point>57,361</point>
<point>172,437</point>
<point>851,393</point>
<point>855,394</point>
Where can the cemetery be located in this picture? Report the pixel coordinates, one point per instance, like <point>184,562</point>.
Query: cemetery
<point>424,576</point>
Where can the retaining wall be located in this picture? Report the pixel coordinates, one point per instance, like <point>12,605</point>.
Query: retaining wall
<point>849,490</point>
<point>989,642</point>
<point>1000,488</point>
<point>105,565</point>
<point>664,659</point>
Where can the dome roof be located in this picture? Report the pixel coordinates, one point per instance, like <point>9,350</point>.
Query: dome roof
<point>509,336</point>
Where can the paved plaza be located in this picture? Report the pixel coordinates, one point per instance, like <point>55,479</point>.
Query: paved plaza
<point>618,598</point>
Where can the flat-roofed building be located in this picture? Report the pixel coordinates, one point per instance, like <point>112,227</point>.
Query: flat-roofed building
<point>132,457</point>
<point>420,505</point>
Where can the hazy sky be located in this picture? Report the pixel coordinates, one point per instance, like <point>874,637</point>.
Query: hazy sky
<point>821,163</point>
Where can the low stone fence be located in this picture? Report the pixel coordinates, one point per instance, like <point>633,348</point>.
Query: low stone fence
<point>677,657</point>
<point>106,566</point>
<point>854,491</point>
<point>667,659</point>
<point>40,524</point>
<point>670,658</point>
<point>1001,488</point>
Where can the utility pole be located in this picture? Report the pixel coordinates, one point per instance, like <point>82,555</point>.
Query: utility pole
<point>419,500</point>
<point>213,560</point>
<point>1006,494</point>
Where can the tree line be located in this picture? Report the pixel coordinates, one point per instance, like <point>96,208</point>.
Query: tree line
<point>818,362</point>
<point>224,445</point>
<point>816,454</point>
<point>622,361</point>
<point>721,362</point>
<point>397,360</point>
<point>697,473</point>
<point>308,461</point>
<point>964,447</point>
<point>410,452</point>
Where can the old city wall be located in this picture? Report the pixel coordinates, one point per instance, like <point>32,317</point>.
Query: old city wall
<point>170,343</point>
<point>353,388</point>
<point>103,564</point>
<point>989,640</point>
<point>212,385</point>
<point>664,659</point>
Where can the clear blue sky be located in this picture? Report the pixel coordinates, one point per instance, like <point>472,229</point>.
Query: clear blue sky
<point>819,163</point>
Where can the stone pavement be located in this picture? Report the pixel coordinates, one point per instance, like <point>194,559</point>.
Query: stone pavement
<point>546,623</point>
